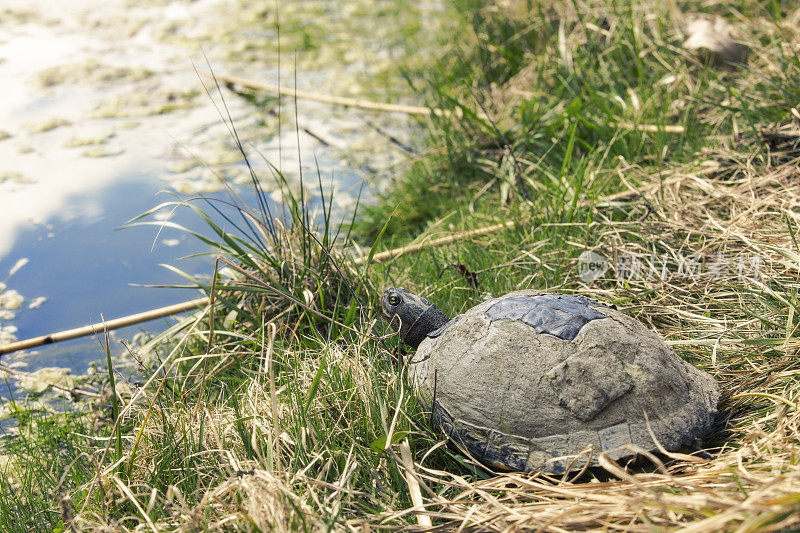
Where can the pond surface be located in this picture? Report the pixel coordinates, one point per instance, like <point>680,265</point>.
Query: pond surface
<point>105,115</point>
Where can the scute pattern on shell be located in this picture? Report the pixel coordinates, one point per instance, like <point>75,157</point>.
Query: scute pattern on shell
<point>562,315</point>
<point>523,400</point>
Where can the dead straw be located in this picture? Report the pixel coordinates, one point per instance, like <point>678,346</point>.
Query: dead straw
<point>413,484</point>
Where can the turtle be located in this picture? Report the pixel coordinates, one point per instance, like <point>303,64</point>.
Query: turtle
<point>543,382</point>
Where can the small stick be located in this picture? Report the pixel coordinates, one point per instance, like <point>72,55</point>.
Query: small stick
<point>398,108</point>
<point>326,98</point>
<point>650,128</point>
<point>390,254</point>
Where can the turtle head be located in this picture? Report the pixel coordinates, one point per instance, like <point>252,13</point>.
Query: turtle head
<point>414,315</point>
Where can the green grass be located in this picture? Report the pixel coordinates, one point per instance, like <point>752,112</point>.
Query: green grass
<point>275,411</point>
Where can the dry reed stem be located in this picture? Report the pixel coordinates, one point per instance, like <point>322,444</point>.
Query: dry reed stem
<point>325,98</point>
<point>413,484</point>
<point>94,329</point>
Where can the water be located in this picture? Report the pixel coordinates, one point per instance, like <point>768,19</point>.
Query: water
<point>102,108</point>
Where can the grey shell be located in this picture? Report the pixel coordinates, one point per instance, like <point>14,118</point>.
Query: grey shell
<point>539,382</point>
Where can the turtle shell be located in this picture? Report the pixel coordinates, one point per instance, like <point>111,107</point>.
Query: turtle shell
<point>546,382</point>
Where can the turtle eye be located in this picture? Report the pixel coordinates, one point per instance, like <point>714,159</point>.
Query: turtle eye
<point>393,299</point>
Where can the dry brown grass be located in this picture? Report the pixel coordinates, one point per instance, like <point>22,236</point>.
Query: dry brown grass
<point>733,205</point>
<point>306,465</point>
<point>736,204</point>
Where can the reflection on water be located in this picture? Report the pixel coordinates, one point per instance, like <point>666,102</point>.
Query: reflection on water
<point>90,270</point>
<point>102,107</point>
<point>96,265</point>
